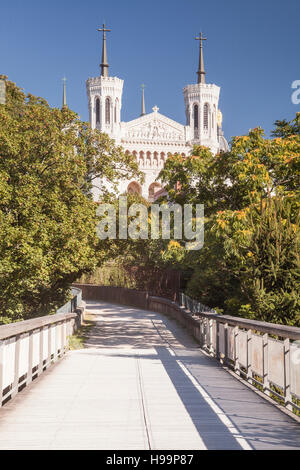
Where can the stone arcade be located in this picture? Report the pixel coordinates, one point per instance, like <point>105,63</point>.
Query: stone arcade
<point>152,137</point>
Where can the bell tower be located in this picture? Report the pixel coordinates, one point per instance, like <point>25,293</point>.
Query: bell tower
<point>201,107</point>
<point>105,97</point>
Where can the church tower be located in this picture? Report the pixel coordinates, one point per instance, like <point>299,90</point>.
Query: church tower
<point>201,108</point>
<point>105,97</point>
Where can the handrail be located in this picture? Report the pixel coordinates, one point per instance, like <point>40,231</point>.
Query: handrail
<point>284,331</point>
<point>25,326</point>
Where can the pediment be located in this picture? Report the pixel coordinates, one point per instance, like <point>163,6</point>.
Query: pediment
<point>153,126</point>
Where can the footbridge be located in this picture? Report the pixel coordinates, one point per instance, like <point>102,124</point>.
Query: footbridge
<point>152,375</point>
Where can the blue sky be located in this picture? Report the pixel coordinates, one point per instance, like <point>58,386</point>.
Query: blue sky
<point>252,52</point>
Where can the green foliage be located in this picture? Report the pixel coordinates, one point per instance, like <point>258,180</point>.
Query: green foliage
<point>286,128</point>
<point>249,264</point>
<point>262,249</point>
<point>48,162</point>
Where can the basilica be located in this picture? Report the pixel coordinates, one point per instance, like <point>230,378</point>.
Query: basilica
<point>151,137</point>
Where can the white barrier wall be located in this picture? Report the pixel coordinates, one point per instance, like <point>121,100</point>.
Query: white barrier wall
<point>29,347</point>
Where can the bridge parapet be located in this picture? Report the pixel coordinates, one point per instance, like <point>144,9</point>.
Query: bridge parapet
<point>29,347</point>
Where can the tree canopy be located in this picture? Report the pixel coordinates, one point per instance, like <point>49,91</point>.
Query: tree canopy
<point>49,161</point>
<point>249,264</point>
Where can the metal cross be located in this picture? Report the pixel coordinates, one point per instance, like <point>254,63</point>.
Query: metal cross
<point>104,30</point>
<point>201,38</point>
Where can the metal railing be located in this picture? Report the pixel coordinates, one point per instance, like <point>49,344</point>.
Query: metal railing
<point>193,305</point>
<point>266,355</point>
<point>28,348</point>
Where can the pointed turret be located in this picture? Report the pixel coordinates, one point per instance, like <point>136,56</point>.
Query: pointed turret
<point>64,103</point>
<point>143,101</point>
<point>201,70</point>
<point>104,64</point>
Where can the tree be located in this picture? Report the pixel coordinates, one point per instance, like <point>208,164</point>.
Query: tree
<point>286,128</point>
<point>249,264</point>
<point>48,162</point>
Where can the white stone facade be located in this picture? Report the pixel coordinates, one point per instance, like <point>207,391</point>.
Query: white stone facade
<point>152,137</point>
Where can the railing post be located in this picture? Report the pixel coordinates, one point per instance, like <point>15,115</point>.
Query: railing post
<point>60,327</point>
<point>49,346</point>
<point>30,358</point>
<point>249,355</point>
<point>217,352</point>
<point>63,338</point>
<point>266,383</point>
<point>16,368</point>
<point>41,352</point>
<point>55,355</point>
<point>287,375</point>
<point>226,358</point>
<point>206,332</point>
<point>201,320</point>
<point>211,346</point>
<point>236,353</point>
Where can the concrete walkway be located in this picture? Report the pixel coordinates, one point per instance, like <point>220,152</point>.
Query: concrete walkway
<point>141,383</point>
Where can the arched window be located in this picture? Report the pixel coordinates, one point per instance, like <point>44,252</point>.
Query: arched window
<point>213,117</point>
<point>148,159</point>
<point>116,110</point>
<point>205,115</point>
<point>107,111</point>
<point>134,187</point>
<point>97,111</point>
<point>196,116</point>
<point>142,158</point>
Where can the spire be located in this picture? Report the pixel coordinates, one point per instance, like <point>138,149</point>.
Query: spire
<point>64,104</point>
<point>201,71</point>
<point>104,65</point>
<point>143,101</point>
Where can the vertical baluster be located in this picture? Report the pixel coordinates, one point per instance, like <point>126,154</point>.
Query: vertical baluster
<point>16,368</point>
<point>206,334</point>
<point>217,351</point>
<point>236,351</point>
<point>249,355</point>
<point>49,346</point>
<point>226,355</point>
<point>266,383</point>
<point>41,348</point>
<point>30,358</point>
<point>287,375</point>
<point>56,343</point>
<point>63,338</point>
<point>211,346</point>
<point>201,332</point>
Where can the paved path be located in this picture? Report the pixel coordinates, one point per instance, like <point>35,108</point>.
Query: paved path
<point>142,383</point>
